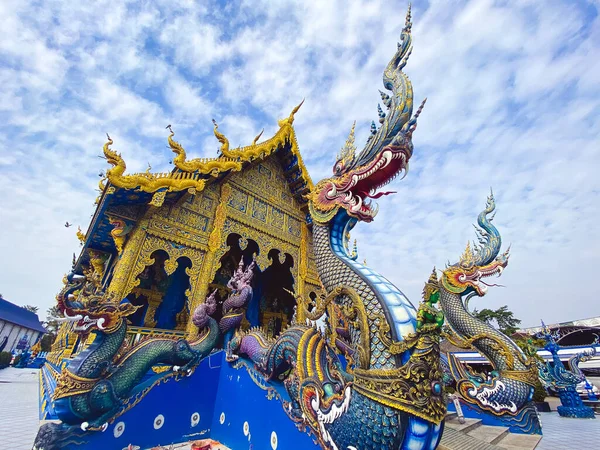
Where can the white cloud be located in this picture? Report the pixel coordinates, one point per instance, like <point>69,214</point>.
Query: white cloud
<point>513,103</point>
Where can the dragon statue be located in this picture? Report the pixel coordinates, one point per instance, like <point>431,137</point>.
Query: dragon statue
<point>553,374</point>
<point>508,393</point>
<point>391,396</point>
<point>105,379</point>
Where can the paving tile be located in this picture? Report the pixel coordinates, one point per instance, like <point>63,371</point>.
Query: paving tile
<point>19,422</point>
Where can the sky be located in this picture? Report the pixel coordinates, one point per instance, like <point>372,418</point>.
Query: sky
<point>513,94</point>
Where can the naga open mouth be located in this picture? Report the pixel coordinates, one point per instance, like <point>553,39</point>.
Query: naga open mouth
<point>354,190</point>
<point>482,285</point>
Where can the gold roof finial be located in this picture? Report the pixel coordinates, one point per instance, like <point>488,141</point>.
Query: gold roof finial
<point>290,119</point>
<point>180,155</point>
<point>258,137</point>
<point>348,151</point>
<point>223,140</point>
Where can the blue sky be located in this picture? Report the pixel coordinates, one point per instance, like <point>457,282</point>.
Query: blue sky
<point>513,102</point>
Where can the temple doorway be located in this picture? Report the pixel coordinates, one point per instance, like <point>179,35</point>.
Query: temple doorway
<point>161,297</point>
<point>229,263</point>
<point>277,301</point>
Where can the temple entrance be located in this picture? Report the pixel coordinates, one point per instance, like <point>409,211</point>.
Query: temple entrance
<point>229,263</point>
<point>161,297</point>
<point>277,303</point>
<point>272,303</point>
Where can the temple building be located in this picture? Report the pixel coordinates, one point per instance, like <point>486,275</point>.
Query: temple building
<point>19,327</point>
<point>163,241</point>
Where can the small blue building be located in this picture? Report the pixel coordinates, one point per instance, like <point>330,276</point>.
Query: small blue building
<point>18,325</point>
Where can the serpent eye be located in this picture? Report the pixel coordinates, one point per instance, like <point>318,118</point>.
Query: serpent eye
<point>338,168</point>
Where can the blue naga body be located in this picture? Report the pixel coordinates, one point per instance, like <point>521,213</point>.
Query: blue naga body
<point>553,374</point>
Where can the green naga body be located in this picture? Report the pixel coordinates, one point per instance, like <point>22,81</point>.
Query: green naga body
<point>98,382</point>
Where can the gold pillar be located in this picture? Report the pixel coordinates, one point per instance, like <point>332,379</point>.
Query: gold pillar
<point>214,242</point>
<point>302,271</point>
<point>126,262</point>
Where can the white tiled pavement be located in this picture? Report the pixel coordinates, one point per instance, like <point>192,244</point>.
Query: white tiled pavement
<point>562,433</point>
<point>19,422</point>
<point>19,392</point>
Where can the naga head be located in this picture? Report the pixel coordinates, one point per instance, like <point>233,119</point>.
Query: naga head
<point>468,274</point>
<point>112,157</point>
<point>94,313</point>
<point>357,178</point>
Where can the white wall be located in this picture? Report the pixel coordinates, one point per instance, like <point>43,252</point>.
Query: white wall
<point>14,333</point>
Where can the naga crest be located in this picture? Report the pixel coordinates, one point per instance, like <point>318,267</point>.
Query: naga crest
<point>466,276</point>
<point>357,179</point>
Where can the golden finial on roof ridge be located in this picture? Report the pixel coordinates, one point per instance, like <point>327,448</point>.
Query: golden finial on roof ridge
<point>348,151</point>
<point>223,140</point>
<point>258,137</point>
<point>290,119</point>
<point>177,148</point>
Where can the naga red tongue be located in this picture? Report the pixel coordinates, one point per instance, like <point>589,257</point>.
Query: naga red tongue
<point>379,194</point>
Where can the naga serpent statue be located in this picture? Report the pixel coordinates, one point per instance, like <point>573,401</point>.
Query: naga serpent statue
<point>508,393</point>
<point>391,396</point>
<point>553,374</point>
<point>104,379</point>
<point>241,293</point>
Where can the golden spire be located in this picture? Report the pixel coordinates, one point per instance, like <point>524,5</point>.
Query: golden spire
<point>348,151</point>
<point>431,285</point>
<point>467,259</point>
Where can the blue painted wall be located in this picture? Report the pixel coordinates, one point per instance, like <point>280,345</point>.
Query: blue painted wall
<point>191,408</point>
<point>240,400</point>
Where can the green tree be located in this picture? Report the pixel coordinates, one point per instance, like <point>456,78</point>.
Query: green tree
<point>33,309</point>
<point>501,318</point>
<point>51,325</point>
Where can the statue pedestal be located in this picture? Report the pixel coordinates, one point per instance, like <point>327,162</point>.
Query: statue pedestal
<point>572,405</point>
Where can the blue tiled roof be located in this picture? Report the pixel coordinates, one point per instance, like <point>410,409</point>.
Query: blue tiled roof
<point>20,316</point>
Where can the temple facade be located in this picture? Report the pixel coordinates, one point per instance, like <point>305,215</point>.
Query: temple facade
<point>164,241</point>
